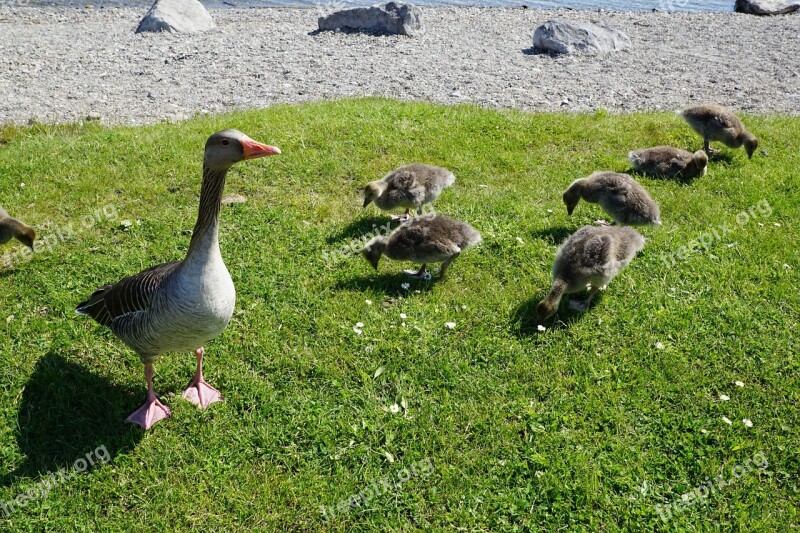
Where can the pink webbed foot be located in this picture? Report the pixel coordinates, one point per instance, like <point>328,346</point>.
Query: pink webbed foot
<point>148,414</point>
<point>200,393</point>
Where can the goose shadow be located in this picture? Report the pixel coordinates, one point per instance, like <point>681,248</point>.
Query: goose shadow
<point>531,51</point>
<point>553,235</point>
<point>363,228</point>
<point>68,413</point>
<point>524,318</point>
<point>662,177</point>
<point>388,284</point>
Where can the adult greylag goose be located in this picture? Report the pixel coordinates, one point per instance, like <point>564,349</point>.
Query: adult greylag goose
<point>619,195</point>
<point>425,239</point>
<point>410,186</point>
<point>670,162</point>
<point>180,306</point>
<point>11,228</point>
<point>589,258</point>
<point>715,123</point>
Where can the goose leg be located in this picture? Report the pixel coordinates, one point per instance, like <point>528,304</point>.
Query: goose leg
<point>447,264</point>
<point>199,392</point>
<point>417,273</point>
<point>584,306</point>
<point>710,151</point>
<point>152,411</point>
<point>405,216</point>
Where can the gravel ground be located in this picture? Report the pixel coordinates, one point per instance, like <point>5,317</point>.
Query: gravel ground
<point>62,64</point>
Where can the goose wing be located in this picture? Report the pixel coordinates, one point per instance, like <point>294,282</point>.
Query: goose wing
<point>403,187</point>
<point>126,297</point>
<point>597,252</point>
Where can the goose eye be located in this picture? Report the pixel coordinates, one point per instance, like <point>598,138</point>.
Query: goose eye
<point>225,142</point>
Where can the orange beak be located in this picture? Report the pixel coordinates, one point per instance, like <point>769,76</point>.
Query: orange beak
<point>254,149</point>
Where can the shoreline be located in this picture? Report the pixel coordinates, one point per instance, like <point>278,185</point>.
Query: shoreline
<point>65,63</point>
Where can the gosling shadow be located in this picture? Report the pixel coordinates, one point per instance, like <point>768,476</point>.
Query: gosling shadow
<point>663,177</point>
<point>68,413</point>
<point>363,229</point>
<point>524,318</point>
<point>389,284</point>
<point>531,51</point>
<point>553,235</point>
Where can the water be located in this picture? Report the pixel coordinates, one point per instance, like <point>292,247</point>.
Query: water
<point>616,5</point>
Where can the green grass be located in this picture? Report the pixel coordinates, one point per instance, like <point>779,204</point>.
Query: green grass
<point>586,426</point>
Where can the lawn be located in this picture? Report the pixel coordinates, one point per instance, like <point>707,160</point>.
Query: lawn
<point>606,420</point>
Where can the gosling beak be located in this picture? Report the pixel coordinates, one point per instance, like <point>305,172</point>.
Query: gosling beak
<point>367,201</point>
<point>254,149</point>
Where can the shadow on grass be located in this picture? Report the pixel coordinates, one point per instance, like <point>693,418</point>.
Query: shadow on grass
<point>524,316</point>
<point>67,412</point>
<point>677,179</point>
<point>554,235</point>
<point>363,229</point>
<point>388,283</point>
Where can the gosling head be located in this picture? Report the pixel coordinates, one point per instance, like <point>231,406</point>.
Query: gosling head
<point>545,310</point>
<point>227,147</point>
<point>700,160</point>
<point>11,227</point>
<point>372,191</point>
<point>572,196</point>
<point>750,143</point>
<point>374,250</point>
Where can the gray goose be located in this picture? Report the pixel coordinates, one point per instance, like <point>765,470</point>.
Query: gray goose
<point>715,123</point>
<point>619,195</point>
<point>425,239</point>
<point>179,306</point>
<point>670,162</point>
<point>11,228</point>
<point>590,257</point>
<point>410,186</point>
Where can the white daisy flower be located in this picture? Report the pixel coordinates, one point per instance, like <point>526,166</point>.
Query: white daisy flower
<point>659,345</point>
<point>541,328</point>
<point>739,383</point>
<point>727,420</point>
<point>724,397</point>
<point>405,286</point>
<point>403,315</point>
<point>357,328</point>
<point>369,302</point>
<point>394,408</point>
<point>747,422</point>
<point>450,325</point>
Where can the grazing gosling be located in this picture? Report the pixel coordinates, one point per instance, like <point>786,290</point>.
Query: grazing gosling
<point>715,123</point>
<point>670,162</point>
<point>590,257</point>
<point>410,186</point>
<point>11,228</point>
<point>425,239</point>
<point>619,195</point>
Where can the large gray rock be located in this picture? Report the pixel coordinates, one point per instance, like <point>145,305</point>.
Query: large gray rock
<point>765,7</point>
<point>392,18</point>
<point>183,16</point>
<point>569,38</point>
